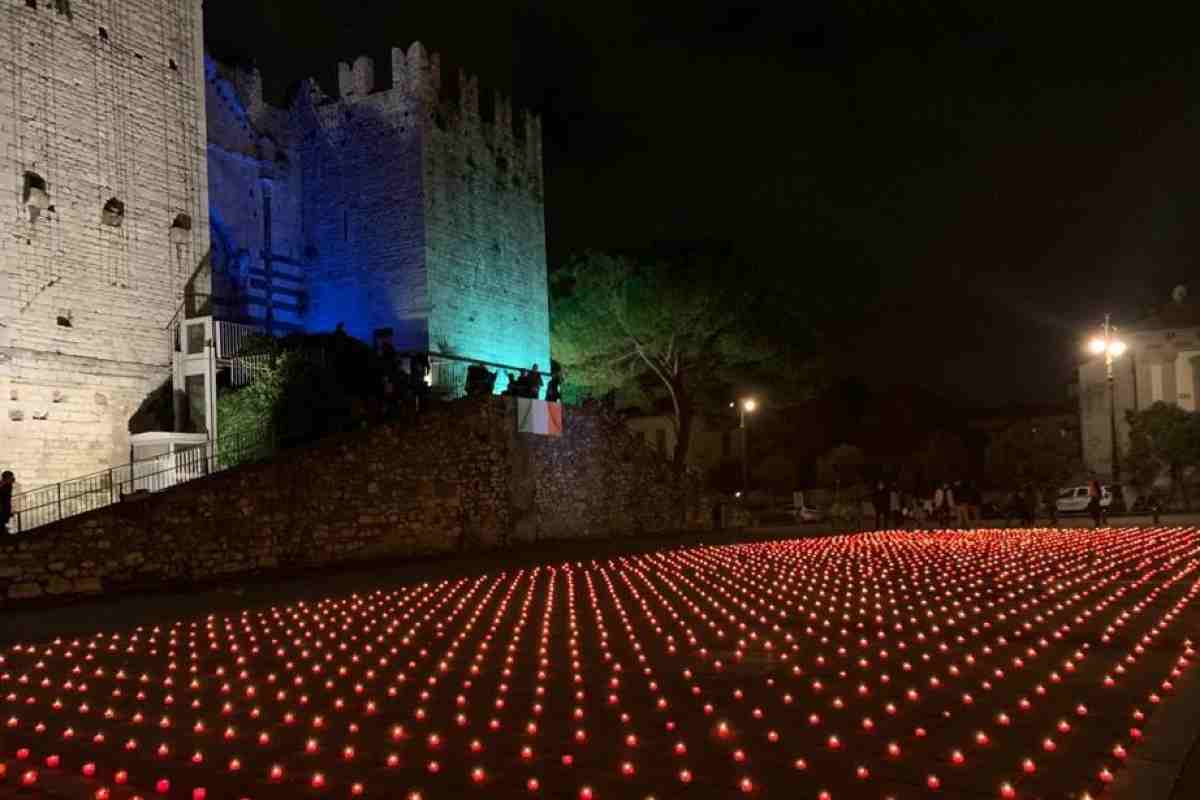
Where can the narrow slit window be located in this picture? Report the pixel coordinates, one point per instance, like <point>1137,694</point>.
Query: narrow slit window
<point>113,213</point>
<point>181,229</point>
<point>35,196</point>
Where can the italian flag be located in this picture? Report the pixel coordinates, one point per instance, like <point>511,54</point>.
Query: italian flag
<point>538,416</point>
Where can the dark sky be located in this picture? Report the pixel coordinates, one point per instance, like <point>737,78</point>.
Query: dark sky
<point>995,175</point>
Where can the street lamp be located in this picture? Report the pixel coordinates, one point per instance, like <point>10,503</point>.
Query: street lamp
<point>1110,346</point>
<point>747,405</point>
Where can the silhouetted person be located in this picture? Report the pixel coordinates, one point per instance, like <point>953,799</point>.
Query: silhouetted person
<point>554,388</point>
<point>480,380</point>
<point>1050,499</point>
<point>881,503</point>
<point>533,382</point>
<point>7,479</point>
<point>1095,506</point>
<point>511,387</point>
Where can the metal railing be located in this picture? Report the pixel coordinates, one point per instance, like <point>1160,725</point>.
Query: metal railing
<point>448,374</point>
<point>46,504</point>
<point>124,482</point>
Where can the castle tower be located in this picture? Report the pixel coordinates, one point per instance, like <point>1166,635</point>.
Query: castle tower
<point>425,219</point>
<point>103,220</point>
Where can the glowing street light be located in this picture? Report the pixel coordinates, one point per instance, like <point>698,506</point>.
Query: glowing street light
<point>1109,345</point>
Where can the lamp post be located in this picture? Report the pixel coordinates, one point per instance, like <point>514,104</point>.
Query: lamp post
<point>746,405</point>
<point>1111,347</point>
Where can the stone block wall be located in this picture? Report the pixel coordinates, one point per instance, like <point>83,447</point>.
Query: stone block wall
<point>485,231</point>
<point>599,479</point>
<point>397,207</point>
<point>98,101</point>
<point>458,477</point>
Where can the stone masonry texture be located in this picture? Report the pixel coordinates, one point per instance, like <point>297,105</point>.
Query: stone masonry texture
<point>403,207</point>
<point>399,203</point>
<point>99,100</point>
<point>459,477</point>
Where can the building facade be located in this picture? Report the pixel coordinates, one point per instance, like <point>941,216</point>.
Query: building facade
<point>149,184</point>
<point>1161,364</point>
<point>103,219</point>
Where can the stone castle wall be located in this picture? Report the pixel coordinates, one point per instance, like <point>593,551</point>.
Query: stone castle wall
<point>98,101</point>
<point>485,229</point>
<point>459,477</point>
<point>360,157</point>
<point>402,207</point>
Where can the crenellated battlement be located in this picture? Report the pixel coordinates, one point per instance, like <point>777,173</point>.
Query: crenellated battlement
<point>418,80</point>
<point>417,77</point>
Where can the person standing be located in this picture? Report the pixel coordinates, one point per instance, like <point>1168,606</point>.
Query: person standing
<point>1050,498</point>
<point>1095,493</point>
<point>962,497</point>
<point>879,501</point>
<point>7,479</point>
<point>950,504</point>
<point>894,507</point>
<point>534,383</point>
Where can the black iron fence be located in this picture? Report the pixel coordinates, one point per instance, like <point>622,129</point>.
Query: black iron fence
<point>132,480</point>
<point>449,378</point>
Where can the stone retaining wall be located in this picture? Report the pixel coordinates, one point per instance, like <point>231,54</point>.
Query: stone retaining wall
<point>458,477</point>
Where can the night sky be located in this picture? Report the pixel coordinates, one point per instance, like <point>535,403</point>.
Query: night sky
<point>994,179</point>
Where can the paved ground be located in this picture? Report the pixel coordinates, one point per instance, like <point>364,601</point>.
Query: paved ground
<point>884,665</point>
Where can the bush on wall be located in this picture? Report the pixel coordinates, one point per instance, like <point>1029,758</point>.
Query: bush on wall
<point>304,387</point>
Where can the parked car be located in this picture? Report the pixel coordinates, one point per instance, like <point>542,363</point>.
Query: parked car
<point>802,511</point>
<point>1074,499</point>
<point>807,514</point>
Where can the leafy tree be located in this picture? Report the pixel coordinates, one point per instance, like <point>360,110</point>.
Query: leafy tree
<point>689,329</point>
<point>1037,454</point>
<point>303,387</point>
<point>943,457</point>
<point>1164,437</point>
<point>777,473</point>
<point>841,467</point>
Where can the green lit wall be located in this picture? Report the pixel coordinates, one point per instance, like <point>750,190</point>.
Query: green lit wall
<point>485,251</point>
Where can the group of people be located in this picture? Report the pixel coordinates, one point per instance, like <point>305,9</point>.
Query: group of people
<point>951,505</point>
<point>960,505</point>
<point>526,383</point>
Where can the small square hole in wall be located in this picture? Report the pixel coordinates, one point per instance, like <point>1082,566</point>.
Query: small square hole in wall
<point>31,4</point>
<point>64,320</point>
<point>102,33</point>
<point>171,63</point>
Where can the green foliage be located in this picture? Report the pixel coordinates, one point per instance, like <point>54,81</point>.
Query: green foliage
<point>1163,437</point>
<point>1025,453</point>
<point>303,387</point>
<point>688,329</point>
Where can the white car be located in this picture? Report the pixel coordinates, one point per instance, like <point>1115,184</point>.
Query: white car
<point>806,514</point>
<point>802,511</point>
<point>1075,499</point>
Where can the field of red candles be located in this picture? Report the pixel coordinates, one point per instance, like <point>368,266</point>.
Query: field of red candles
<point>1008,664</point>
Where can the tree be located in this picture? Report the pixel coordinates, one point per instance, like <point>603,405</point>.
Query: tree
<point>1164,437</point>
<point>689,329</point>
<point>943,457</point>
<point>777,473</point>
<point>842,466</point>
<point>1028,453</point>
